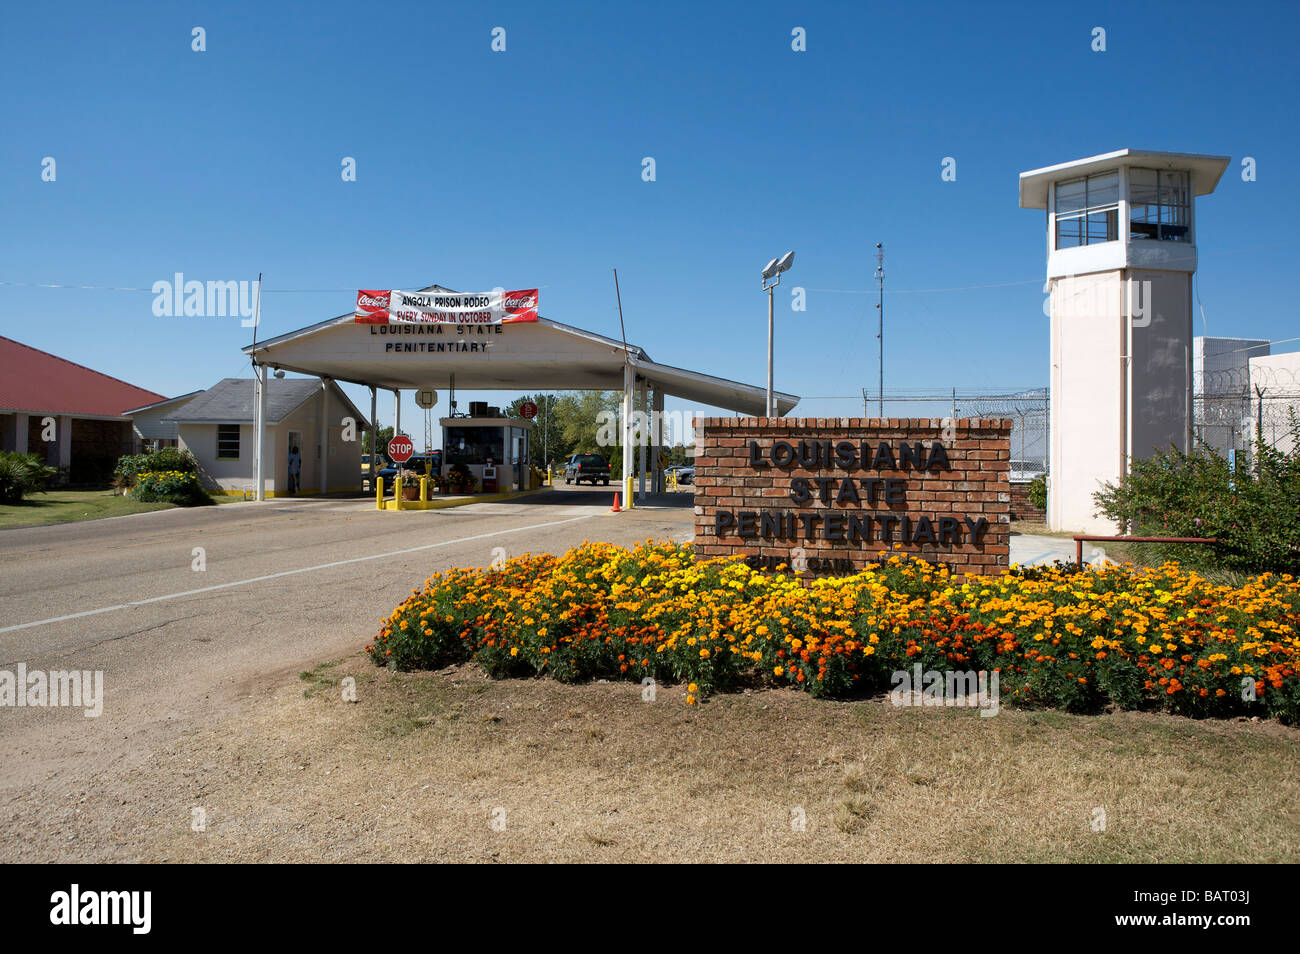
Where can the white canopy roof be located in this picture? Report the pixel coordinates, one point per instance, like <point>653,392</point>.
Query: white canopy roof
<point>531,356</point>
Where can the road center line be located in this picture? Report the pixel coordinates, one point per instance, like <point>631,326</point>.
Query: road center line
<point>282,573</point>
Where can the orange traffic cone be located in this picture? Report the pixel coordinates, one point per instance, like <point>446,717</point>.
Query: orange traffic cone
<point>616,508</point>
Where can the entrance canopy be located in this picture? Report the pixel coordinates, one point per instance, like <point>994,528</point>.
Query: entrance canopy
<point>543,355</point>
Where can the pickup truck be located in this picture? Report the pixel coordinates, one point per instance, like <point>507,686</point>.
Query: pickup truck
<point>590,467</point>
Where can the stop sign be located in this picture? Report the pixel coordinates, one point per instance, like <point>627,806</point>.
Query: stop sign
<point>400,449</point>
<point>528,410</point>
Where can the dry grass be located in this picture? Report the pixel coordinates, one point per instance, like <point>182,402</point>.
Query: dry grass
<point>422,765</point>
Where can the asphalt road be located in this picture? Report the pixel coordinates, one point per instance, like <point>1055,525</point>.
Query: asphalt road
<point>285,585</point>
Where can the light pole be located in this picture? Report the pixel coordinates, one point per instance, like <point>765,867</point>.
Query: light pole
<point>771,278</point>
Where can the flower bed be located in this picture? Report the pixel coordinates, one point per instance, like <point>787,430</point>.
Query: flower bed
<point>1079,640</point>
<point>172,486</point>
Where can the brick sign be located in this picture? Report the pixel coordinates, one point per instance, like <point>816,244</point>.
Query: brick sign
<point>827,495</point>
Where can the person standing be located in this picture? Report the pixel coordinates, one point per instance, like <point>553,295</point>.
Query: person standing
<point>295,470</point>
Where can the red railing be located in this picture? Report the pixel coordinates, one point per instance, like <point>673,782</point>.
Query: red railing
<point>1080,538</point>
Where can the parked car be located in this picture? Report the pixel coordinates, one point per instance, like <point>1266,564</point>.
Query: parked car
<point>678,470</point>
<point>416,463</point>
<point>590,467</point>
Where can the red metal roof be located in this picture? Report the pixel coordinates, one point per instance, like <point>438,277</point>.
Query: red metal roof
<point>32,380</point>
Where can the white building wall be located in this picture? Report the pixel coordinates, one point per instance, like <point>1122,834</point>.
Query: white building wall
<point>1278,377</point>
<point>233,474</point>
<point>344,469</point>
<point>1088,382</point>
<point>1221,396</point>
<point>153,424</point>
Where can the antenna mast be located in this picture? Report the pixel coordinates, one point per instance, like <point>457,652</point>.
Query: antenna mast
<point>880,314</point>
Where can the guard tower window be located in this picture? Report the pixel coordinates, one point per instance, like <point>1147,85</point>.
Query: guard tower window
<point>1160,205</point>
<point>1087,210</point>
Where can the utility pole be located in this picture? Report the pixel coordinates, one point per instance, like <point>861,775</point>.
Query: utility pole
<point>880,312</point>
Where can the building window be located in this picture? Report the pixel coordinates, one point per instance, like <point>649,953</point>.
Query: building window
<point>1160,205</point>
<point>473,445</point>
<point>227,442</point>
<point>1087,210</point>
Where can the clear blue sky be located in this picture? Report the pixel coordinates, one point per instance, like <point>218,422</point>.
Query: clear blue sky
<point>523,168</point>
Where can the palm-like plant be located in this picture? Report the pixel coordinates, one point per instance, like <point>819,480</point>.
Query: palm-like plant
<point>22,474</point>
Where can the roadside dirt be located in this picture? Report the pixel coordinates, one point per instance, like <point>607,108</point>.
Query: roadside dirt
<point>452,766</point>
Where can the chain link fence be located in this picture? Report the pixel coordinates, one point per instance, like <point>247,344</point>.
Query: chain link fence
<point>1229,406</point>
<point>1027,409</point>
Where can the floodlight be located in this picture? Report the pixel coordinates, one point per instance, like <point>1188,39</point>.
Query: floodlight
<point>769,269</point>
<point>786,261</point>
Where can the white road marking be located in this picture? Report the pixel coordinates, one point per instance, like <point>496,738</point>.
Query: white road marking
<point>274,576</point>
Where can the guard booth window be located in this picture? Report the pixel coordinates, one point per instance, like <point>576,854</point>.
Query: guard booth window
<point>474,445</point>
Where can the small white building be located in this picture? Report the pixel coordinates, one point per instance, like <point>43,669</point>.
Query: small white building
<point>1221,395</point>
<point>1274,398</point>
<point>315,416</point>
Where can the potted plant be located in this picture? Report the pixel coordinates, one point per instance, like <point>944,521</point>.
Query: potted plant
<point>410,485</point>
<point>460,480</point>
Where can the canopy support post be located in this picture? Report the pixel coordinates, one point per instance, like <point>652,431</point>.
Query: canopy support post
<point>629,385</point>
<point>643,437</point>
<point>324,435</point>
<point>374,435</point>
<point>259,430</point>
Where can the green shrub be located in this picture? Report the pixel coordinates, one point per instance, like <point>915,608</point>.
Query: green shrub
<point>1254,513</point>
<point>1037,492</point>
<point>169,486</point>
<point>166,459</point>
<point>22,474</point>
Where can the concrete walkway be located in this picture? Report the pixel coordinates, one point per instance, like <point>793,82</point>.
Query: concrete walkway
<point>1030,549</point>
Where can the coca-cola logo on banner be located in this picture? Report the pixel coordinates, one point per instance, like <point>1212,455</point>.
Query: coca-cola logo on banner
<point>372,306</point>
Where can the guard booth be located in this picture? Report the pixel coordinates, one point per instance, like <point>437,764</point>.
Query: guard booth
<point>492,447</point>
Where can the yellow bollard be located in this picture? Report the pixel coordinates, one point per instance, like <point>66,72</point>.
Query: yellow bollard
<point>379,493</point>
<point>627,493</point>
<point>424,490</point>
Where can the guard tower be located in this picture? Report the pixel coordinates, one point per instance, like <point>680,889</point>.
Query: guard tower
<point>1121,252</point>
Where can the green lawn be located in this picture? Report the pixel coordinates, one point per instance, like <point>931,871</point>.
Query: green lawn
<point>65,506</point>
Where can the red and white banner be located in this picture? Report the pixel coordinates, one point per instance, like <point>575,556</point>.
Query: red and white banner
<point>454,308</point>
